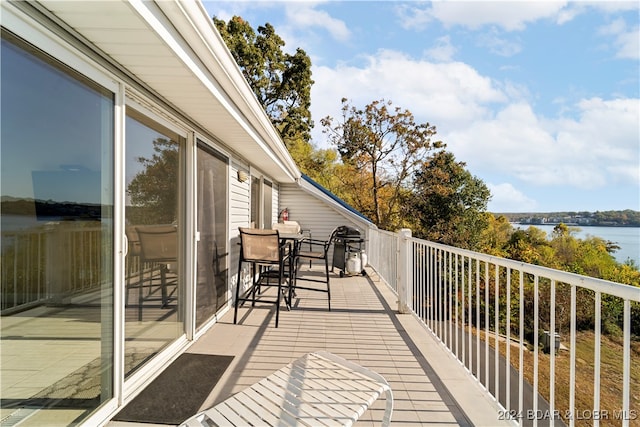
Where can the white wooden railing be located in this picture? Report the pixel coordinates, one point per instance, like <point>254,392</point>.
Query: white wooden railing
<point>52,262</point>
<point>475,304</point>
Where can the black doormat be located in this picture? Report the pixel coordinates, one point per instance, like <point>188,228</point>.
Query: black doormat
<point>178,392</point>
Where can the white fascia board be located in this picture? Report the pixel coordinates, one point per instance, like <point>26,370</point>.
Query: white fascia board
<point>199,42</point>
<point>212,40</point>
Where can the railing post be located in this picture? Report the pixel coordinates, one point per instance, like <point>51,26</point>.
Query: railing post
<point>404,271</point>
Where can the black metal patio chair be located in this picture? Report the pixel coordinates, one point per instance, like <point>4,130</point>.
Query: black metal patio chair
<point>269,259</point>
<point>318,250</point>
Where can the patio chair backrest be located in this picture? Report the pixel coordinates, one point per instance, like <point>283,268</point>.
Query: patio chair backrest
<point>158,243</point>
<point>262,246</point>
<point>133,241</point>
<point>286,227</point>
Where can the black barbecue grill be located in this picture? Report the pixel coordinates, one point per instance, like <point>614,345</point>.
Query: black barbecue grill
<point>347,251</point>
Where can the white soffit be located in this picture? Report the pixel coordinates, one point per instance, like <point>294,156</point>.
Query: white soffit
<point>149,41</point>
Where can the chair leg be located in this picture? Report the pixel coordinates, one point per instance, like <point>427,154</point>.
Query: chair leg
<point>238,284</point>
<point>280,278</point>
<point>254,285</point>
<point>326,270</point>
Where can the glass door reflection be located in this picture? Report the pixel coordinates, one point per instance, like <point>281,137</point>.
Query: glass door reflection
<point>154,184</point>
<point>211,290</point>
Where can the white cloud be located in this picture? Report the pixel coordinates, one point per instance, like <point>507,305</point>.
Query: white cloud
<point>447,94</point>
<point>612,6</point>
<point>442,51</point>
<point>506,198</point>
<point>628,44</point>
<point>598,148</point>
<point>303,15</point>
<point>226,11</point>
<point>508,15</point>
<point>625,40</point>
<point>499,45</point>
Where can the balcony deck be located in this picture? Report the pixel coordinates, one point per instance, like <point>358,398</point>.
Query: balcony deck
<point>429,385</point>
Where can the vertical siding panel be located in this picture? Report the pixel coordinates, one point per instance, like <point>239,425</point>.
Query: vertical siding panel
<point>239,211</point>
<point>314,214</point>
<point>275,204</point>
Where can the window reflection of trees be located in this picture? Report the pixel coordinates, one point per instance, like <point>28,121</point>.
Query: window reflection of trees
<point>154,191</point>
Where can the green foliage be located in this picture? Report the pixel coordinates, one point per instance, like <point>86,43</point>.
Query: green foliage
<point>384,146</point>
<point>496,235</point>
<point>589,257</point>
<point>153,192</point>
<point>281,81</point>
<point>449,203</point>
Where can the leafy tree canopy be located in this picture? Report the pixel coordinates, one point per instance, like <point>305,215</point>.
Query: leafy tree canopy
<point>153,191</point>
<point>383,145</point>
<point>449,204</point>
<point>281,81</point>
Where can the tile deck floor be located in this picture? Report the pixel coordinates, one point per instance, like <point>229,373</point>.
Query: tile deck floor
<point>430,388</point>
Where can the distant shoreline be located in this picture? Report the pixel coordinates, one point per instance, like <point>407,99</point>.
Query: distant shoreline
<point>626,218</point>
<point>573,224</point>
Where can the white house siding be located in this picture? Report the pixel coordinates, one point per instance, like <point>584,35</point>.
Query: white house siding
<point>275,204</point>
<point>239,212</point>
<point>316,215</point>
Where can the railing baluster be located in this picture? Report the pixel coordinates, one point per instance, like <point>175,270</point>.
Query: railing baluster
<point>596,362</point>
<point>552,358</point>
<point>423,283</point>
<point>470,321</point>
<point>496,322</point>
<point>439,291</point>
<point>450,313</point>
<point>508,341</point>
<point>478,321</point>
<point>429,287</point>
<point>457,283</point>
<point>486,324</point>
<point>572,362</point>
<point>429,260</point>
<point>521,361</point>
<point>626,364</point>
<point>434,289</point>
<point>463,338</point>
<point>420,294</point>
<point>536,322</point>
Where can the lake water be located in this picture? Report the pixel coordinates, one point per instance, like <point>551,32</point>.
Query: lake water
<point>628,238</point>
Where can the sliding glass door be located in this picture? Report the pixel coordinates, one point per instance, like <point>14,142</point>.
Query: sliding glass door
<point>57,131</point>
<point>154,215</point>
<point>213,253</point>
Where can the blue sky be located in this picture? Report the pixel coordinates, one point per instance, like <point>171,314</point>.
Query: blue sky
<point>540,99</point>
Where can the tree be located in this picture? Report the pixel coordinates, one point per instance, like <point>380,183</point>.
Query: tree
<point>449,204</point>
<point>383,146</point>
<point>280,81</point>
<point>496,236</point>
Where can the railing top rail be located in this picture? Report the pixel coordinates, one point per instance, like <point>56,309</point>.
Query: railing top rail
<point>620,290</point>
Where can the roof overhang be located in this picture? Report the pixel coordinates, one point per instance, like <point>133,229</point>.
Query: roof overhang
<point>173,48</point>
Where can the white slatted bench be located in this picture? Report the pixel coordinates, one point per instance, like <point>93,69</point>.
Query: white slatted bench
<point>319,389</point>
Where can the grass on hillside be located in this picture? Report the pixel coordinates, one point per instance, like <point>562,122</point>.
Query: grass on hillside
<point>611,374</point>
